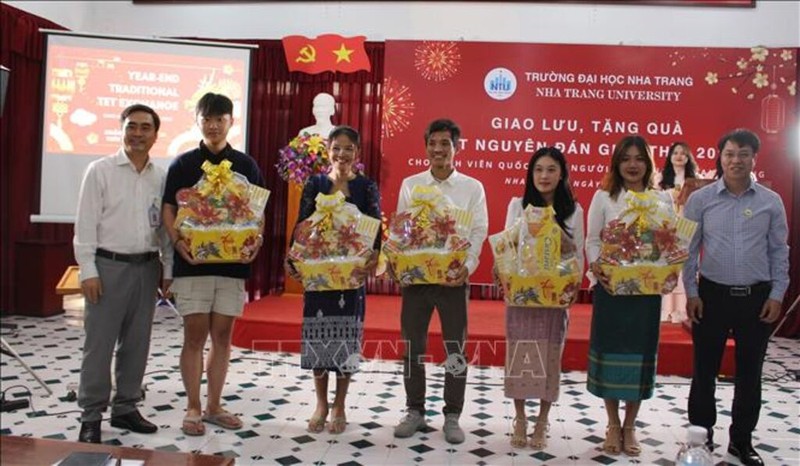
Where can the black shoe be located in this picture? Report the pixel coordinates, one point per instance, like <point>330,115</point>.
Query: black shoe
<point>746,454</point>
<point>90,432</point>
<point>134,422</point>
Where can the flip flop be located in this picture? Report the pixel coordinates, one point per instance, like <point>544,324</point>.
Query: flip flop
<point>337,425</point>
<point>193,426</point>
<point>316,424</point>
<point>223,419</point>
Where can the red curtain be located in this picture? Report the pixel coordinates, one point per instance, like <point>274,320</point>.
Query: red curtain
<point>22,52</point>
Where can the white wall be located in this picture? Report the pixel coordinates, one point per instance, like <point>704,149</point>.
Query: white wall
<point>771,23</point>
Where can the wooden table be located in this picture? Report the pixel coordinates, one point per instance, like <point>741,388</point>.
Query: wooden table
<point>35,451</point>
<point>70,282</point>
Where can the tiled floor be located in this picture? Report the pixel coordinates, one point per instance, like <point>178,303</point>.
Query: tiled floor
<point>275,398</point>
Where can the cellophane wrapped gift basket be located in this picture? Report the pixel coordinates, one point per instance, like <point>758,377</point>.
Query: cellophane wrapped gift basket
<point>536,261</point>
<point>332,246</point>
<point>428,241</point>
<point>220,216</point>
<point>643,250</point>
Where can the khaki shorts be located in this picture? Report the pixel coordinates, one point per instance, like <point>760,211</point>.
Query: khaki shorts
<point>203,295</point>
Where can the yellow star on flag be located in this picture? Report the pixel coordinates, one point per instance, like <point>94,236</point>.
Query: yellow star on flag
<point>343,54</point>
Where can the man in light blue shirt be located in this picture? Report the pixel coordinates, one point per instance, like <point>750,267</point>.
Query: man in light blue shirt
<point>743,276</point>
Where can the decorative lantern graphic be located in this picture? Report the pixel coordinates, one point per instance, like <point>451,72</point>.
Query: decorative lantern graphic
<point>773,110</point>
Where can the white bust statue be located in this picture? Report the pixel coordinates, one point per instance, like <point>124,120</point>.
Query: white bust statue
<point>324,107</point>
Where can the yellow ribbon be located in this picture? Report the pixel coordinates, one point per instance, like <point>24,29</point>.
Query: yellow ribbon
<point>425,200</point>
<point>328,205</point>
<point>642,210</point>
<point>218,178</point>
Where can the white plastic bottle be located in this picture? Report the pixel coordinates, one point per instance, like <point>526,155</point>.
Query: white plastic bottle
<point>695,452</point>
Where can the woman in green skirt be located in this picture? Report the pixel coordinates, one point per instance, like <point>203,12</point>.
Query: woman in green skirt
<point>624,337</point>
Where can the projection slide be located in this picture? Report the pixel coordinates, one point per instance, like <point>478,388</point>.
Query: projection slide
<point>90,80</point>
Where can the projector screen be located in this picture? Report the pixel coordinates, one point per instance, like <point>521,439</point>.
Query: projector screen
<point>90,79</point>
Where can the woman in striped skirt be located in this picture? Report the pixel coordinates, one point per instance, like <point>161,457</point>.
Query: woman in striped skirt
<point>624,336</point>
<point>535,337</point>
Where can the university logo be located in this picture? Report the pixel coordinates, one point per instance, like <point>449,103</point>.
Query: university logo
<point>500,83</point>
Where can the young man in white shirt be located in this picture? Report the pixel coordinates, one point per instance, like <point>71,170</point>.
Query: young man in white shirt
<point>418,301</point>
<point>118,235</point>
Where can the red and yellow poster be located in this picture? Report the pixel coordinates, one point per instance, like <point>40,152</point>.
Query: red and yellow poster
<point>88,87</point>
<point>511,99</point>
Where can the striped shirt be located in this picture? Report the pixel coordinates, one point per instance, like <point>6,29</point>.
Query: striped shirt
<point>743,238</point>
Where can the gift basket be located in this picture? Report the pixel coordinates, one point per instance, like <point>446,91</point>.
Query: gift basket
<point>332,246</point>
<point>643,249</point>
<point>428,241</point>
<point>536,261</point>
<point>220,216</point>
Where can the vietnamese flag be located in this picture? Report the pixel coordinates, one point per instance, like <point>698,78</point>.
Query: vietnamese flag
<point>328,52</point>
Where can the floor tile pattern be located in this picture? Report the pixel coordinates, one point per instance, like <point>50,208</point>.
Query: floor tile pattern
<point>275,398</point>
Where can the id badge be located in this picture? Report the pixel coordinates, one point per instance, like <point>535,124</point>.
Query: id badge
<point>154,214</point>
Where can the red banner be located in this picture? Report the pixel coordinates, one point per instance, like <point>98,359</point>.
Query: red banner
<point>511,99</point>
<point>328,52</point>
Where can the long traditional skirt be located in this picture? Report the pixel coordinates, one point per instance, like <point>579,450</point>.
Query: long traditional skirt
<point>534,344</point>
<point>333,326</point>
<point>623,345</point>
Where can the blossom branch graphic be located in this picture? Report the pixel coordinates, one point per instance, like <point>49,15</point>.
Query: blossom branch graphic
<point>755,70</point>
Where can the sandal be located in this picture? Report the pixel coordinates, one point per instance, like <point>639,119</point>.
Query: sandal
<point>631,446</point>
<point>223,419</point>
<point>613,442</point>
<point>193,426</point>
<point>337,424</point>
<point>338,420</point>
<point>316,424</point>
<point>519,438</point>
<point>539,440</point>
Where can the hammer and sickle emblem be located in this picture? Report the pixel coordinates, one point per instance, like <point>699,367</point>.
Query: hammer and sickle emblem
<point>307,54</point>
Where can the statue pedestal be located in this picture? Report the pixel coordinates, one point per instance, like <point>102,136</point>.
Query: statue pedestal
<point>293,196</point>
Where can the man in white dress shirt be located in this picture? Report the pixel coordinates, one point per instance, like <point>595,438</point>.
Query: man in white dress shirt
<point>118,236</point>
<point>441,139</point>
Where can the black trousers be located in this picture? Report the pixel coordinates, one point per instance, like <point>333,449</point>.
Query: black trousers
<point>727,309</point>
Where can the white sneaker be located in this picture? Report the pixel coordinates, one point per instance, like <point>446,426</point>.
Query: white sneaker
<point>410,424</point>
<point>452,431</point>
